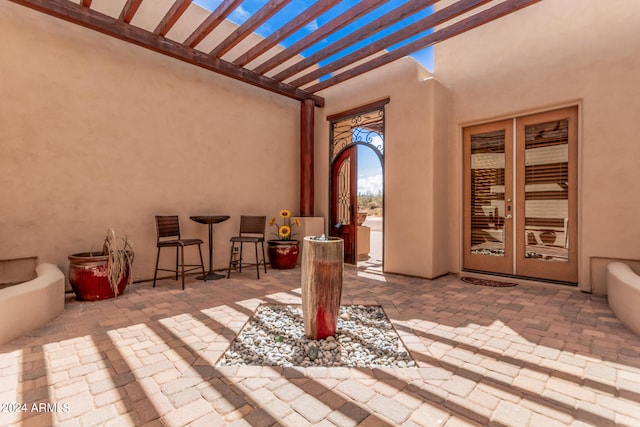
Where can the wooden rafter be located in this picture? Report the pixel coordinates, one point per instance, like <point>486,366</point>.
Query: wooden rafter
<point>329,28</point>
<point>270,9</point>
<point>129,10</point>
<point>372,55</point>
<point>481,18</point>
<point>374,27</point>
<point>75,13</point>
<point>213,20</point>
<point>437,18</point>
<point>288,29</point>
<point>171,17</point>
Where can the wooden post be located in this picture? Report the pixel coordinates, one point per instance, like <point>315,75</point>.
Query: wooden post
<point>306,157</point>
<point>322,267</point>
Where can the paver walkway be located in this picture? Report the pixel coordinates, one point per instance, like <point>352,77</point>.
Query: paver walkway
<point>520,356</point>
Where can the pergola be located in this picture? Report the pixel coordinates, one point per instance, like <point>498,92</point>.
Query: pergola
<point>138,22</point>
<point>264,63</point>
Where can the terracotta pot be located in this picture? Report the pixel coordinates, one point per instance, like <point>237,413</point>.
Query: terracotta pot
<point>88,277</point>
<point>362,217</point>
<point>283,254</point>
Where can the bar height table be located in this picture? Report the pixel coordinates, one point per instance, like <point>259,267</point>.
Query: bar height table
<point>210,220</point>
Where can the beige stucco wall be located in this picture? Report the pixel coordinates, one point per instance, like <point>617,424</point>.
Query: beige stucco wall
<point>552,54</point>
<point>415,172</point>
<point>98,133</point>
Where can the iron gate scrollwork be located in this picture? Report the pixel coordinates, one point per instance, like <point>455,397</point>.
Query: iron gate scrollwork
<point>362,129</point>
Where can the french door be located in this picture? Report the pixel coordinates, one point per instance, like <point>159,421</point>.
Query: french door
<point>520,196</point>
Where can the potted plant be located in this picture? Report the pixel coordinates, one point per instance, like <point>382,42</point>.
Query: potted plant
<point>284,251</point>
<point>102,275</point>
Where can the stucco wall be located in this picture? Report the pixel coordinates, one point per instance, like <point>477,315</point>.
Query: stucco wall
<point>415,173</point>
<point>552,54</point>
<point>98,133</point>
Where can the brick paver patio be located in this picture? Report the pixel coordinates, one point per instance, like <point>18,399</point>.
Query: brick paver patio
<point>520,356</point>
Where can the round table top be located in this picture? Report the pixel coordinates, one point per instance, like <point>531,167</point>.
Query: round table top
<point>209,219</point>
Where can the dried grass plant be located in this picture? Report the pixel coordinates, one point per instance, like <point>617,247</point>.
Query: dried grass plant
<point>120,252</point>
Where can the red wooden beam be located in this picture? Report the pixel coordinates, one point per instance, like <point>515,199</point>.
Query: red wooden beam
<point>130,9</point>
<point>86,3</point>
<point>417,27</point>
<point>374,27</point>
<point>307,110</point>
<point>77,14</point>
<point>329,28</point>
<point>481,18</point>
<point>213,20</point>
<point>285,31</point>
<point>171,17</point>
<point>243,31</point>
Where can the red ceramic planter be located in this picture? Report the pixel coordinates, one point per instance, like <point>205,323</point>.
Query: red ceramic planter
<point>88,277</point>
<point>283,254</point>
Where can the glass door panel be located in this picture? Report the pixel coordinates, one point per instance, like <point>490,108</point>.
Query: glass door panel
<point>546,194</point>
<point>487,187</point>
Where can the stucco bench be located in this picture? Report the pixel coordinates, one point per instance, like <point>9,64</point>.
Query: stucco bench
<point>33,304</point>
<point>623,294</point>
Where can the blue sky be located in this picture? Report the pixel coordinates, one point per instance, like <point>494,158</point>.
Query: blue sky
<point>369,168</point>
<point>369,171</point>
<point>295,7</point>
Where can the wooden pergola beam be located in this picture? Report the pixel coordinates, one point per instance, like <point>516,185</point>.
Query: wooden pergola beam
<point>129,10</point>
<point>243,31</point>
<point>285,31</point>
<point>372,28</point>
<point>171,17</point>
<point>481,18</point>
<point>329,28</point>
<point>437,18</point>
<point>211,22</point>
<point>307,111</point>
<point>77,14</point>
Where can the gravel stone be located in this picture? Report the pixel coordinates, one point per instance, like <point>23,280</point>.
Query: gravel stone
<point>275,336</point>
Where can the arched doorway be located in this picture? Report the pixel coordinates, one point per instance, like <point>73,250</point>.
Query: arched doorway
<point>370,206</point>
<point>361,128</point>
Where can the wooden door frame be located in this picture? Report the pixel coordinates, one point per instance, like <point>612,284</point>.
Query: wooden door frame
<point>521,266</point>
<point>334,153</point>
<point>503,264</point>
<point>529,267</point>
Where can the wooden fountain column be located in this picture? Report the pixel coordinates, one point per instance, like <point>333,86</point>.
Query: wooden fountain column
<point>322,259</point>
<point>321,283</point>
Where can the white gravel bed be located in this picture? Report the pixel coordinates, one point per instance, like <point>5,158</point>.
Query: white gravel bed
<point>275,336</point>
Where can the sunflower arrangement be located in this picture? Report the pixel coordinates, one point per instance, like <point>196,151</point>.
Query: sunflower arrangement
<point>285,231</point>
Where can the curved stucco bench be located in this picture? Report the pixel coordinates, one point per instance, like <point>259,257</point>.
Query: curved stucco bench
<point>623,294</point>
<point>33,304</point>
